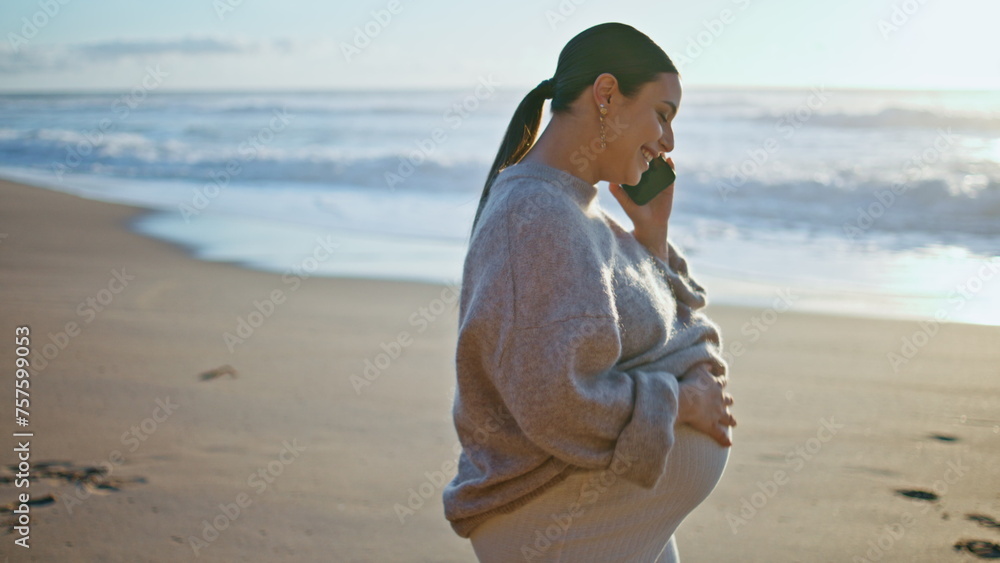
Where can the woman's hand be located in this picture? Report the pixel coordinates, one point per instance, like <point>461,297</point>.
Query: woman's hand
<point>704,405</point>
<point>650,220</point>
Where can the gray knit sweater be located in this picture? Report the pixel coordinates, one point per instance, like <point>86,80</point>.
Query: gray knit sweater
<point>571,339</point>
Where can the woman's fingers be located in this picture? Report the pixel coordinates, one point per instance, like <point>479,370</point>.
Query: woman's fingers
<point>722,437</point>
<point>622,197</point>
<point>709,405</point>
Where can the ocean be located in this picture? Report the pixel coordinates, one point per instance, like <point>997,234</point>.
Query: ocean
<point>872,203</point>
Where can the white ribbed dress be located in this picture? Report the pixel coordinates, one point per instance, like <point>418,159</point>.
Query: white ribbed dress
<point>594,515</point>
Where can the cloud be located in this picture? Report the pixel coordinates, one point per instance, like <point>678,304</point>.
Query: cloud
<point>112,50</point>
<point>55,57</point>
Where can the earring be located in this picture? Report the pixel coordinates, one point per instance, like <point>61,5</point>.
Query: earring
<point>604,111</point>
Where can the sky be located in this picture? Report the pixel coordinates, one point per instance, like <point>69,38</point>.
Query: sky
<point>70,45</point>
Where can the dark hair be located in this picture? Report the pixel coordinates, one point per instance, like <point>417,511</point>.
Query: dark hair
<point>616,48</point>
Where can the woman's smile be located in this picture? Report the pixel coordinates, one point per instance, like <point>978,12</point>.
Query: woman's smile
<point>647,157</point>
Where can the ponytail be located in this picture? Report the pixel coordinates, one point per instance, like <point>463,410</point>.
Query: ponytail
<point>519,137</point>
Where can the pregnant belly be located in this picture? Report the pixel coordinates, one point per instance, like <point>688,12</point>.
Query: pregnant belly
<point>611,519</point>
<point>694,467</point>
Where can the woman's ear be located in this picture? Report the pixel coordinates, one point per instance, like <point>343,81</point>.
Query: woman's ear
<point>605,89</point>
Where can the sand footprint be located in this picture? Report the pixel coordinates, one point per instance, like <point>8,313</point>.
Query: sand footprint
<point>980,548</point>
<point>918,494</point>
<point>92,478</point>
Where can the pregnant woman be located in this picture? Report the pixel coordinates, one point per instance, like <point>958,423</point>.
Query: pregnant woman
<point>590,399</point>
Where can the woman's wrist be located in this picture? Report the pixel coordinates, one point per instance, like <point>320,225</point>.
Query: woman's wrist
<point>687,388</point>
<point>656,244</point>
<point>684,402</point>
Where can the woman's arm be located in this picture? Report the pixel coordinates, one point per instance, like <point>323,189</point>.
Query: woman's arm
<point>560,383</point>
<point>651,220</point>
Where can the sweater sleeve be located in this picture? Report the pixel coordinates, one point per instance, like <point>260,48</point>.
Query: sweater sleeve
<point>687,291</point>
<point>557,370</point>
<point>691,297</point>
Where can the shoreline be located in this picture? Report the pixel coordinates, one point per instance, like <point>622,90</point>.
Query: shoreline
<point>291,458</point>
<point>215,235</point>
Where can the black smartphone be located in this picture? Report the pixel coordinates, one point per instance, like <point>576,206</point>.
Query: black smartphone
<point>653,181</point>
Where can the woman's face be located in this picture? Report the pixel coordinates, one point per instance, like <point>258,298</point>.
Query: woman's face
<point>642,122</point>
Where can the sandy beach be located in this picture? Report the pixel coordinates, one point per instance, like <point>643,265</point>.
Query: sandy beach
<point>330,438</point>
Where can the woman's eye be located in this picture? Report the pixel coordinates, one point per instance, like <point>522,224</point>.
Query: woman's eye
<point>663,116</point>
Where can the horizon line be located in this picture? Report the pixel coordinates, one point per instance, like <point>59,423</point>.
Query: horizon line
<point>425,89</point>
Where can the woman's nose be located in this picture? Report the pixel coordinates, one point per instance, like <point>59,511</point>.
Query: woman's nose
<point>667,141</point>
